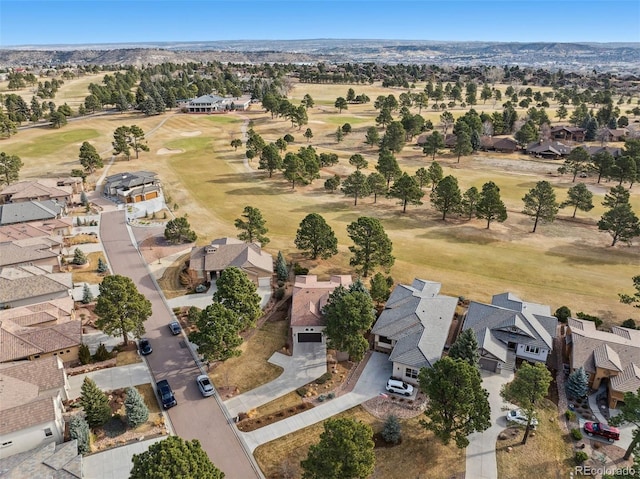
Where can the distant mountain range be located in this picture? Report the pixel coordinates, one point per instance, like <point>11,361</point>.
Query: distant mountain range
<point>614,57</point>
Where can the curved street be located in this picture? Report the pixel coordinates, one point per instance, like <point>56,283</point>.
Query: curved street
<point>194,417</point>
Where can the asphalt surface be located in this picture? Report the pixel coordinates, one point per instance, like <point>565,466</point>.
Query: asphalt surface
<point>194,417</point>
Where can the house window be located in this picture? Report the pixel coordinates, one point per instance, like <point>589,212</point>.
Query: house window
<point>48,432</point>
<point>411,373</point>
<point>6,444</point>
<point>384,339</point>
<point>532,349</point>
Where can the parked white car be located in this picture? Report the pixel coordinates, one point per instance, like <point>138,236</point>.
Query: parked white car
<point>399,387</point>
<point>519,417</point>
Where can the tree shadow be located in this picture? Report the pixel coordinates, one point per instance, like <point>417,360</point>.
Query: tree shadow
<point>577,253</point>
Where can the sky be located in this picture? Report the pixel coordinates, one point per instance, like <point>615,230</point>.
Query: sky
<point>52,22</point>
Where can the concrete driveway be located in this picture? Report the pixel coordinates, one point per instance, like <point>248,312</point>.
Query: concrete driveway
<point>481,451</point>
<point>308,362</point>
<point>112,378</point>
<point>370,384</point>
<point>194,417</point>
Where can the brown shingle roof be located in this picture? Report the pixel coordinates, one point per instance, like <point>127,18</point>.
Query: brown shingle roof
<point>26,286</point>
<point>628,380</point>
<point>45,373</point>
<point>310,296</point>
<point>38,411</point>
<point>13,253</point>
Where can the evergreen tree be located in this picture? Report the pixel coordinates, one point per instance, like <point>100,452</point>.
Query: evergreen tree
<point>446,196</point>
<point>377,185</point>
<point>490,207</point>
<point>218,332</point>
<point>252,228</point>
<point>372,247</point>
<point>79,430</point>
<point>356,185</point>
<point>79,257</point>
<point>136,410</point>
<point>84,355</point>
<point>470,199</point>
<point>9,168</point>
<point>239,294</point>
<point>380,288</point>
<point>175,458</point>
<point>578,383</point>
<point>87,296</point>
<point>580,198</point>
<point>466,348</point>
<point>540,203</point>
<point>332,184</point>
<point>95,403</point>
<point>316,238</point>
<point>406,189</point>
<point>282,271</point>
<point>89,157</point>
<point>102,266</point>
<point>391,431</point>
<point>179,231</point>
<point>435,174</point>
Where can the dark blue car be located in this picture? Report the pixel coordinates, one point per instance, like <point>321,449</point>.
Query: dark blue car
<point>175,328</point>
<point>145,346</point>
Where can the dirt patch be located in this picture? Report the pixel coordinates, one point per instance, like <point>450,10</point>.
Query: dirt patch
<point>169,151</point>
<point>191,133</point>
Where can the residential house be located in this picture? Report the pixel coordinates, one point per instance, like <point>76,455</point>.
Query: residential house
<point>510,328</point>
<point>28,211</point>
<point>568,133</point>
<point>30,251</point>
<point>616,134</point>
<point>59,461</point>
<point>133,187</point>
<point>214,103</point>
<point>53,230</point>
<point>207,262</point>
<point>611,359</point>
<point>48,329</point>
<point>61,190</point>
<point>613,151</point>
<point>309,297</point>
<point>25,285</point>
<point>501,144</point>
<point>551,150</point>
<point>31,396</point>
<point>414,326</point>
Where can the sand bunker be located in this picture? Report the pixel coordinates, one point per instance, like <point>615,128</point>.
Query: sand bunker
<point>168,151</point>
<point>191,133</point>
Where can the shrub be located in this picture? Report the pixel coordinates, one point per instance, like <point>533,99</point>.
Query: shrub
<point>391,432</point>
<point>563,313</point>
<point>324,378</point>
<point>576,434</point>
<point>321,398</point>
<point>588,317</point>
<point>570,415</point>
<point>331,395</point>
<point>281,268</point>
<point>299,270</point>
<point>101,353</point>
<point>580,457</point>
<point>136,410</point>
<point>302,392</point>
<point>102,266</point>
<point>84,355</point>
<point>79,257</point>
<point>79,430</point>
<point>87,295</point>
<point>629,323</point>
<point>279,293</point>
<point>280,283</point>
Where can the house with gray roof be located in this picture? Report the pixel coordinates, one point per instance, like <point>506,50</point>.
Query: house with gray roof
<point>31,395</point>
<point>30,284</point>
<point>609,358</point>
<point>26,211</point>
<point>214,103</point>
<point>29,251</point>
<point>511,328</point>
<point>59,461</point>
<point>548,149</point>
<point>207,262</point>
<point>414,326</point>
<point>132,187</point>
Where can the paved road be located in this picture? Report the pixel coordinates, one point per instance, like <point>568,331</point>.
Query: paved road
<point>194,417</point>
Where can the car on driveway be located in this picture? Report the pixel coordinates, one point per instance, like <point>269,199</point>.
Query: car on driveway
<point>519,417</point>
<point>145,346</point>
<point>166,394</point>
<point>205,386</point>
<point>175,328</point>
<point>399,387</point>
<point>610,433</point>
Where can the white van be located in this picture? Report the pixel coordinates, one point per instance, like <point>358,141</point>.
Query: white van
<point>399,387</point>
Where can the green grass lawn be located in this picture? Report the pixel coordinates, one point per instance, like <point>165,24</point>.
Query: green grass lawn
<point>51,142</point>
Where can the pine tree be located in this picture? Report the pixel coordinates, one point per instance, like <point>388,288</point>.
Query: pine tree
<point>136,410</point>
<point>84,355</point>
<point>391,431</point>
<point>102,266</point>
<point>281,268</point>
<point>95,403</point>
<point>466,347</point>
<point>578,383</point>
<point>79,430</point>
<point>87,296</point>
<point>79,257</point>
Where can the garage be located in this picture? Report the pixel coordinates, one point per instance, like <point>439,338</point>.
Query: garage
<point>309,337</point>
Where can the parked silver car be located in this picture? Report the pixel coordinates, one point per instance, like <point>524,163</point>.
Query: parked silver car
<point>205,386</point>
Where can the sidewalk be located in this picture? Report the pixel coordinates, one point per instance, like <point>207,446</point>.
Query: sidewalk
<point>112,378</point>
<point>481,451</point>
<point>370,384</point>
<point>308,362</point>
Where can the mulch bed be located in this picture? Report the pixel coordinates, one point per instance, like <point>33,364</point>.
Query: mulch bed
<point>248,424</point>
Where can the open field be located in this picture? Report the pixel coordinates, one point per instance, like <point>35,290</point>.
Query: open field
<point>419,455</point>
<point>568,262</point>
